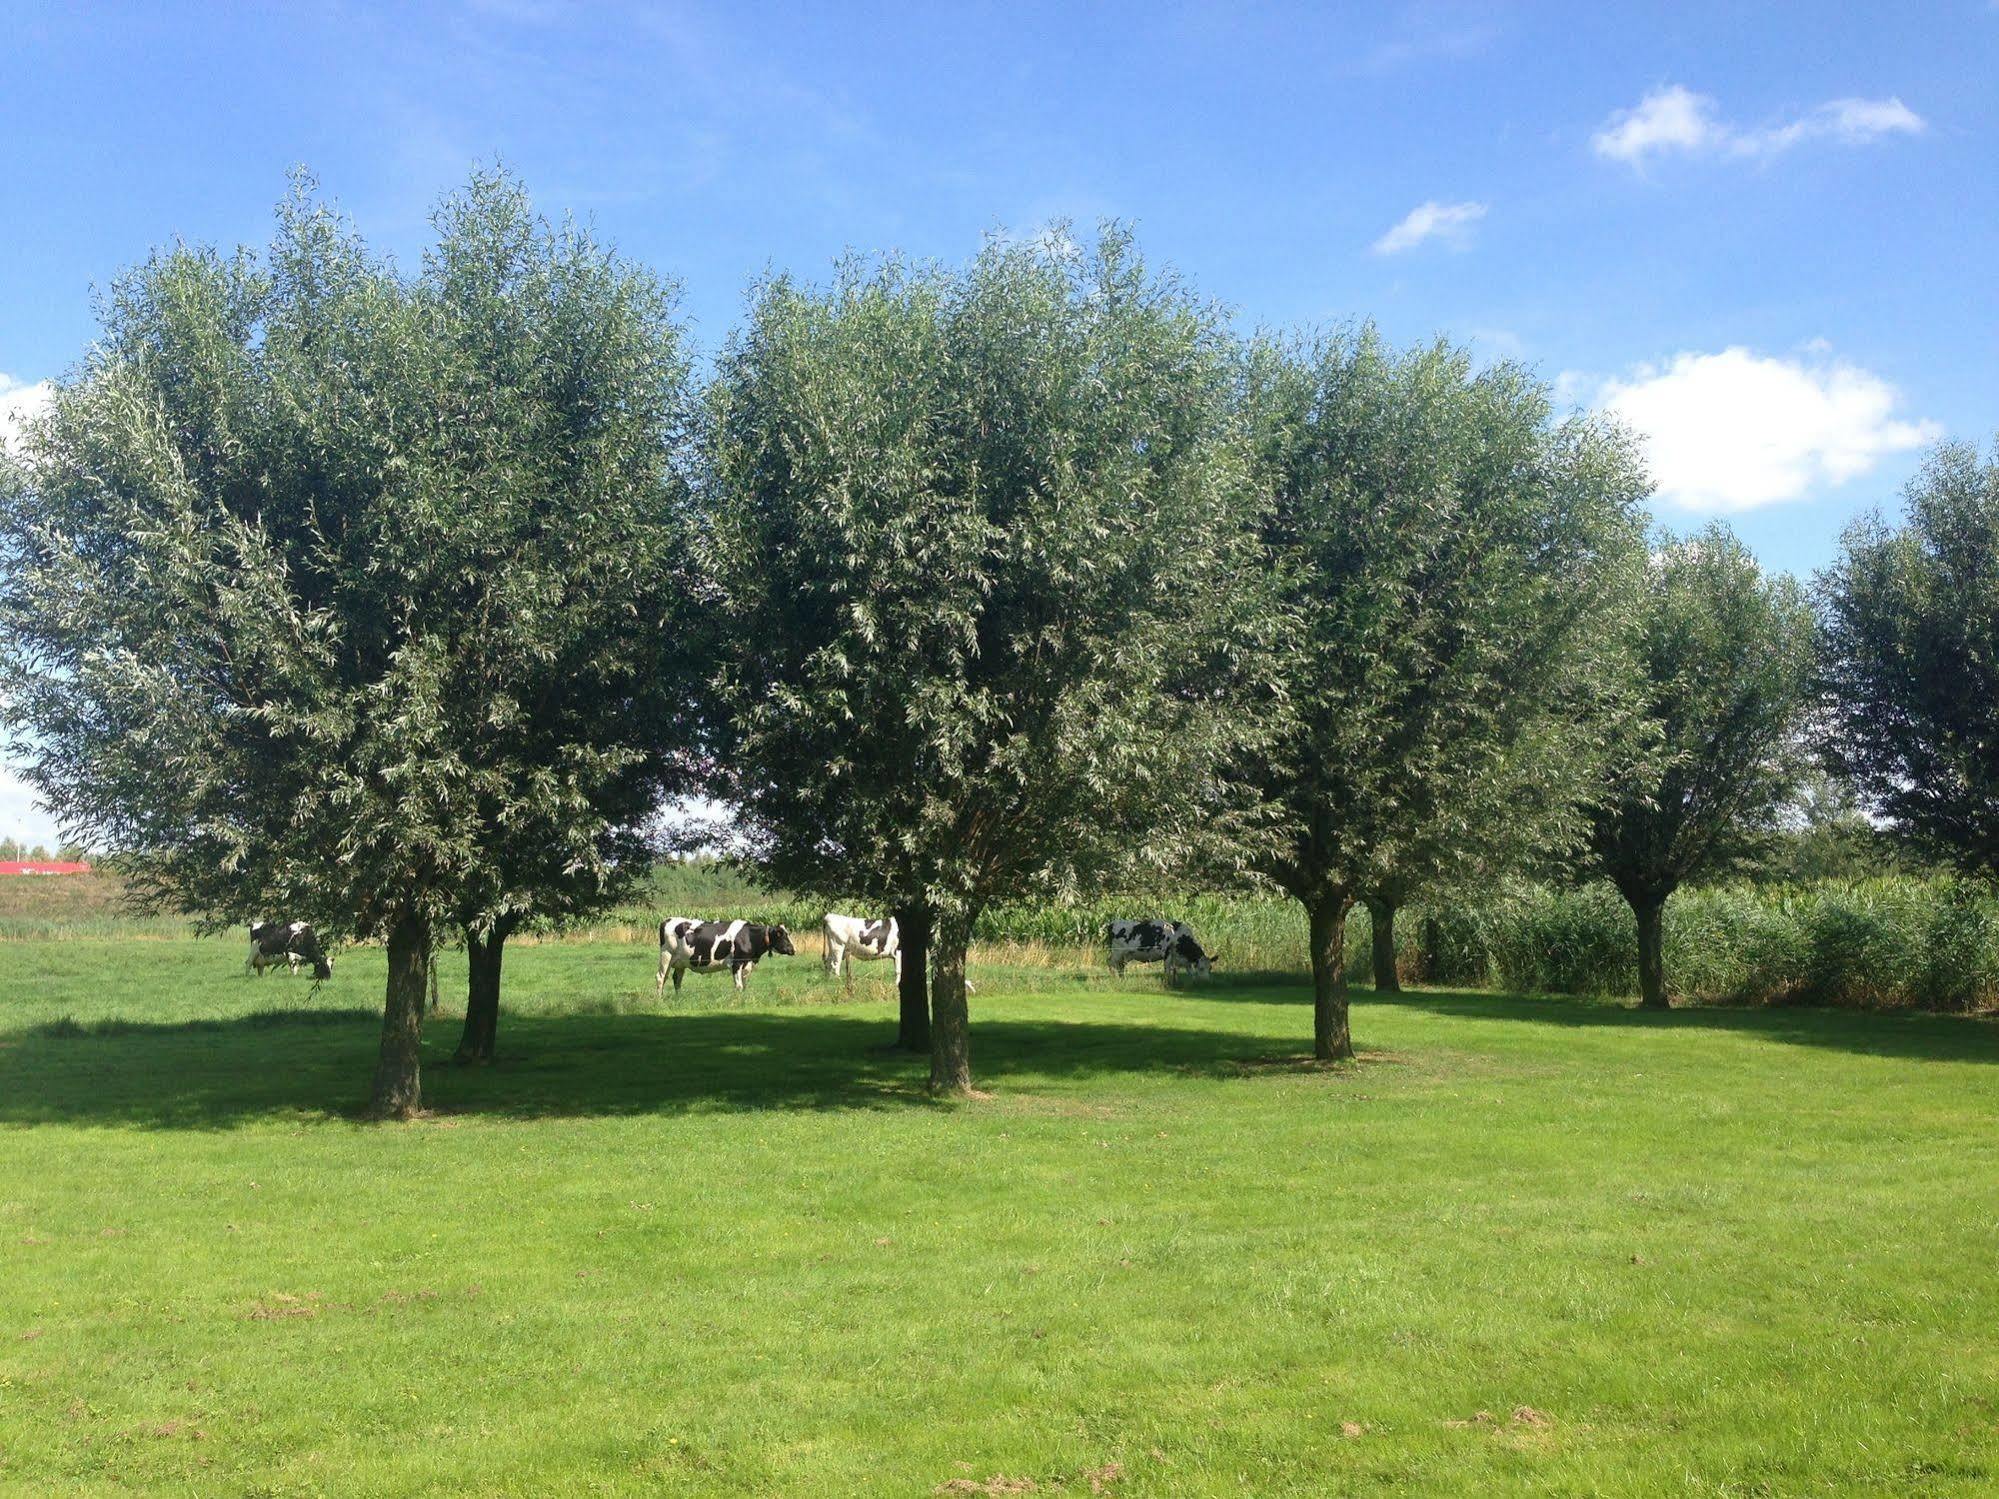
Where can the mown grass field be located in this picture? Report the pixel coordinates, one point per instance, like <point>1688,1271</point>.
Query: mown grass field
<point>1522,1245</point>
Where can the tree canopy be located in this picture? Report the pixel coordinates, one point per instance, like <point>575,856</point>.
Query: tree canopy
<point>1723,655</point>
<point>1449,561</point>
<point>982,544</point>
<point>1911,662</point>
<point>345,594</point>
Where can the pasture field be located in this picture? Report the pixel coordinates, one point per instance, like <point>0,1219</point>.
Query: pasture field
<point>1521,1245</point>
<point>1897,942</point>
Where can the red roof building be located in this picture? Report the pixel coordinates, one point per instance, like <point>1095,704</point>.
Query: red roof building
<point>43,866</point>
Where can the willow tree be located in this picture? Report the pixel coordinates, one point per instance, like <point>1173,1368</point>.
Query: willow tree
<point>981,541</point>
<point>1911,662</point>
<point>1450,562</point>
<point>325,582</point>
<point>1709,753</point>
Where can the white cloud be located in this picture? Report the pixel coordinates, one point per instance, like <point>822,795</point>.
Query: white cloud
<point>1574,388</point>
<point>1498,343</point>
<point>1850,122</point>
<point>1668,119</point>
<point>1450,222</point>
<point>1676,118</point>
<point>19,403</point>
<point>1734,430</point>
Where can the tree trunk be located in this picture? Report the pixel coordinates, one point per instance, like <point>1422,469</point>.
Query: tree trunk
<point>1651,914</point>
<point>482,995</point>
<point>1382,917</point>
<point>912,925</point>
<point>398,1084</point>
<point>1332,1040</point>
<point>950,1021</point>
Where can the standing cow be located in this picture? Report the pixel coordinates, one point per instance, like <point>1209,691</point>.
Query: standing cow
<point>1168,942</point>
<point>851,937</point>
<point>710,946</point>
<point>287,942</point>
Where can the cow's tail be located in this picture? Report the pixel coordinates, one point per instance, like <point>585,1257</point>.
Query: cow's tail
<point>662,936</point>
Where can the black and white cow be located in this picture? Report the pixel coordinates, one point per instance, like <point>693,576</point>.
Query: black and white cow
<point>710,946</point>
<point>1168,942</point>
<point>851,937</point>
<point>287,942</point>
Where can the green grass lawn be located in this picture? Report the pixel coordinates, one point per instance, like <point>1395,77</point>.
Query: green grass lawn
<point>1521,1245</point>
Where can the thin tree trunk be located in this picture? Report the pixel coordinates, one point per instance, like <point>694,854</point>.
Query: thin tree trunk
<point>482,995</point>
<point>1381,915</point>
<point>1332,1040</point>
<point>950,1020</point>
<point>398,1090</point>
<point>1651,914</point>
<point>912,925</point>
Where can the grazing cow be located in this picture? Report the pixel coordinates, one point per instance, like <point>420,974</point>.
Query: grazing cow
<point>850,937</point>
<point>709,946</point>
<point>1168,942</point>
<point>287,942</point>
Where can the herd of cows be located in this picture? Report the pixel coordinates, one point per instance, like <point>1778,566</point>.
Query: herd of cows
<point>690,945</point>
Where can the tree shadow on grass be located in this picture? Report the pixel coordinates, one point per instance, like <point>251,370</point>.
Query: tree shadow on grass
<point>1913,1035</point>
<point>313,1065</point>
<point>1907,1035</point>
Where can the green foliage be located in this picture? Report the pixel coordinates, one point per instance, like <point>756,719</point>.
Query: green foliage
<point>1822,834</point>
<point>1911,650</point>
<point>980,543</point>
<point>344,594</point>
<point>1450,561</point>
<point>1709,754</point>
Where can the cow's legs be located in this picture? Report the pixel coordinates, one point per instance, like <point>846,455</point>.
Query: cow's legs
<point>659,988</point>
<point>742,971</point>
<point>898,968</point>
<point>679,973</point>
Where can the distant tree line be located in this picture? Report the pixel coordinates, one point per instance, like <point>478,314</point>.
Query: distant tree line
<point>401,601</point>
<point>14,849</point>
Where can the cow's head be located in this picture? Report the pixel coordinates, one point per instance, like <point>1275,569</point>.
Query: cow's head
<point>780,942</point>
<point>1189,952</point>
<point>322,966</point>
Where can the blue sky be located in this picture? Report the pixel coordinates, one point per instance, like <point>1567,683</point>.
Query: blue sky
<point>1767,235</point>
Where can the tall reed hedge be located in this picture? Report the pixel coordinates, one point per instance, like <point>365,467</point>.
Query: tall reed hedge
<point>1924,943</point>
<point>1928,943</point>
